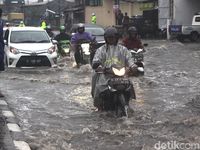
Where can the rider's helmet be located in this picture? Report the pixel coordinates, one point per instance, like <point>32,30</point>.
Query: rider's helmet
<point>132,31</point>
<point>111,32</point>
<point>93,14</point>
<point>80,28</point>
<point>62,29</point>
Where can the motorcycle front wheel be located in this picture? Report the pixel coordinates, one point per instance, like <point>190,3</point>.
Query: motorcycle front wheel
<point>122,106</point>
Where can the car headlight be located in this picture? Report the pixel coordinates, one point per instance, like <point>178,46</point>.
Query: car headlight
<point>14,50</point>
<point>51,49</point>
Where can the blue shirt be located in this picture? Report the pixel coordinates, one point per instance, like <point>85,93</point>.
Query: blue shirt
<point>83,36</point>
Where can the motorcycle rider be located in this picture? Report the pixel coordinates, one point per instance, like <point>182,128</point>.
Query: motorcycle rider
<point>132,41</point>
<point>80,35</point>
<point>109,54</point>
<point>62,36</point>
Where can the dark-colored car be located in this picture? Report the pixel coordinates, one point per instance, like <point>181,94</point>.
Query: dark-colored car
<point>95,30</point>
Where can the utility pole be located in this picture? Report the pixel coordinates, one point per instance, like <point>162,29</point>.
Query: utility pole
<point>117,2</point>
<point>59,12</point>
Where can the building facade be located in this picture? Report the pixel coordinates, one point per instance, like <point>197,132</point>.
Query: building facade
<point>105,10</point>
<point>177,12</point>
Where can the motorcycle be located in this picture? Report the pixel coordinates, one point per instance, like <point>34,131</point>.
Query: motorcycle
<point>117,97</point>
<point>86,48</point>
<point>64,48</point>
<point>138,57</point>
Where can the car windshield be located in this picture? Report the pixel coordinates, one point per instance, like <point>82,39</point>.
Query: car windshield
<point>95,31</point>
<point>29,37</point>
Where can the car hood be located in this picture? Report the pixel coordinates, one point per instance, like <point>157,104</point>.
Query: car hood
<point>100,39</point>
<point>32,46</point>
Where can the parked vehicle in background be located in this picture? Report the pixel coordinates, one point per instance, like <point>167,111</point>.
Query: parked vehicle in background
<point>191,32</point>
<point>30,47</point>
<point>15,18</point>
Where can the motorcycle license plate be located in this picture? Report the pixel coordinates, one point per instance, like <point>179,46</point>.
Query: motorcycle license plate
<point>119,81</point>
<point>35,61</point>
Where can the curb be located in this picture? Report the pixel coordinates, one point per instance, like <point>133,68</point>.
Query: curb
<point>13,128</point>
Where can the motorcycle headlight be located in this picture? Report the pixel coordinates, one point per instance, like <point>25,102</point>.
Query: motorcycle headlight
<point>14,50</point>
<point>51,49</point>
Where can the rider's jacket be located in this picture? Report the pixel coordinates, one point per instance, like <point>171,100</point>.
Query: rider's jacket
<point>107,56</point>
<point>81,36</point>
<point>93,19</point>
<point>62,36</point>
<point>132,43</point>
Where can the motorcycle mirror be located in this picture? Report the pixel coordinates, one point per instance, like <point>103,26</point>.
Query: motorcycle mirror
<point>132,51</point>
<point>54,41</point>
<point>139,50</point>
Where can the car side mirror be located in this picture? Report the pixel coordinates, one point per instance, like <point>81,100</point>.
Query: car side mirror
<point>6,42</point>
<point>54,41</point>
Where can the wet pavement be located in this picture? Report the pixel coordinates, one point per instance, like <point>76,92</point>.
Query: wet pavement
<point>6,141</point>
<point>55,111</point>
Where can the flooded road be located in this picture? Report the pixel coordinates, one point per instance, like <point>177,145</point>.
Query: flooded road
<point>55,109</point>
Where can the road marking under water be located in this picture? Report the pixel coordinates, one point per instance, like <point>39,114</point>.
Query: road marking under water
<point>8,114</point>
<point>13,127</point>
<point>2,102</point>
<point>21,145</point>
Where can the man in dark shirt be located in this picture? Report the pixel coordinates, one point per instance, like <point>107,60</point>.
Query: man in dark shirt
<point>119,17</point>
<point>63,39</point>
<point>126,22</point>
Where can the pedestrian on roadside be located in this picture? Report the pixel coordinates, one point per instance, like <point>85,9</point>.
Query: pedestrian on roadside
<point>120,17</point>
<point>125,23</point>
<point>93,18</point>
<point>43,24</point>
<point>1,47</point>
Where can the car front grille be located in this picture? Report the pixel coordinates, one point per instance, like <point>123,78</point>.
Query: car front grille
<point>33,61</point>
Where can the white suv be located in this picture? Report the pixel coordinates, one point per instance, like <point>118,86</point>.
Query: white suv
<point>30,47</point>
